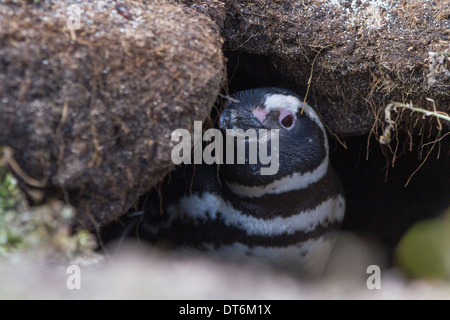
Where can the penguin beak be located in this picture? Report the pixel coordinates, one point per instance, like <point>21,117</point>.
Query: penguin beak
<point>238,119</point>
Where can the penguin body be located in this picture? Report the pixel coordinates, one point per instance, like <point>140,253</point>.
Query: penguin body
<point>232,212</point>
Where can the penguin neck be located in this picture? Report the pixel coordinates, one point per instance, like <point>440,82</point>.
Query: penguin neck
<point>287,202</point>
<point>292,182</point>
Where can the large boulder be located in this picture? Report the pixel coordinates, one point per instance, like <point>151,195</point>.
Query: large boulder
<point>90,92</point>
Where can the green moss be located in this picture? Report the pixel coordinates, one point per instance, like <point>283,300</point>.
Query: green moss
<point>41,233</point>
<point>11,199</point>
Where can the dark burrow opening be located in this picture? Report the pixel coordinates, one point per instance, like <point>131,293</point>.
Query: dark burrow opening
<point>379,205</point>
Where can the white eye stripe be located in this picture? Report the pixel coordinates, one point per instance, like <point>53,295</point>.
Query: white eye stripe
<point>280,101</point>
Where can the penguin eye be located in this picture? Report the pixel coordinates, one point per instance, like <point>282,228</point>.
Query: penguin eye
<point>287,119</point>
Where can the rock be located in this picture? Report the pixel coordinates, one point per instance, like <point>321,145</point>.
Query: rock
<point>214,9</point>
<point>136,273</point>
<point>91,92</point>
<point>357,55</point>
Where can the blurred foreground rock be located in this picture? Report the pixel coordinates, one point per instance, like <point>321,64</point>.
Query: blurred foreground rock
<point>137,274</point>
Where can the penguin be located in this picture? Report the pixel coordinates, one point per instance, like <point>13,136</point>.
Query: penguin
<point>287,220</point>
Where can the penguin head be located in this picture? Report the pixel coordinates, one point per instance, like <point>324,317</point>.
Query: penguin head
<point>303,144</point>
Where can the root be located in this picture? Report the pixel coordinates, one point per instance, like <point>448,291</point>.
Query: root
<point>391,124</point>
<point>392,121</point>
<point>7,158</point>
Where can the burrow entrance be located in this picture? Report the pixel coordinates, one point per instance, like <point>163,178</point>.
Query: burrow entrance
<point>379,205</point>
